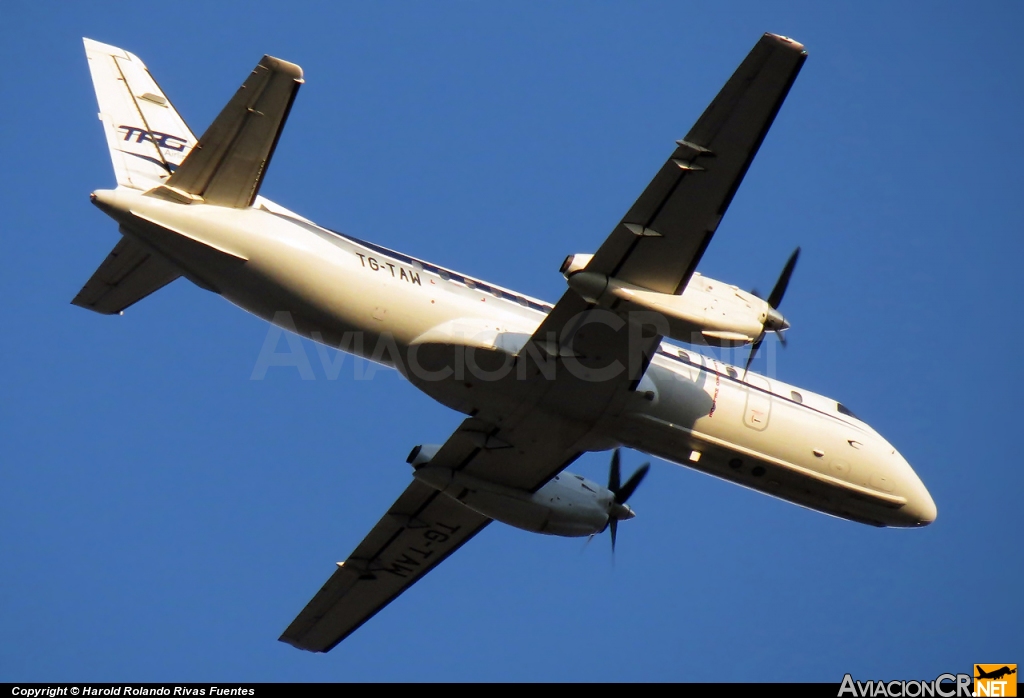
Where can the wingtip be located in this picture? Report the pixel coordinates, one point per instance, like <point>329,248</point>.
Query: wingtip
<point>279,65</point>
<point>786,40</point>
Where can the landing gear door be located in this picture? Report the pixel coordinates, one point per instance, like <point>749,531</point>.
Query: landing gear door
<point>759,402</point>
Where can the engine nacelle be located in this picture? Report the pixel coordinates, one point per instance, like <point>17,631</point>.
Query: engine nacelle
<point>568,505</point>
<point>422,454</point>
<point>707,311</point>
<point>574,263</point>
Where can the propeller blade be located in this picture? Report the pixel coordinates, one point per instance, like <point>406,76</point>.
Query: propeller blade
<point>613,474</point>
<point>753,353</point>
<point>782,338</point>
<point>780,286</point>
<point>632,483</point>
<point>621,493</point>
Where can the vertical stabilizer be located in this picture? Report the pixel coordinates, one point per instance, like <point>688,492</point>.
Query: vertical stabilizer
<point>146,136</point>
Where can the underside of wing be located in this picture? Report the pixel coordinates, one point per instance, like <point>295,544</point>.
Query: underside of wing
<point>424,526</point>
<point>659,242</point>
<point>417,533</point>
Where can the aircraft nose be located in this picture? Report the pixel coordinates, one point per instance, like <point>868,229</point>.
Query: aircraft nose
<point>924,509</point>
<point>920,509</point>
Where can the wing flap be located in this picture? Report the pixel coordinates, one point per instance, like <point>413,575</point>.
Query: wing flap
<point>128,274</point>
<point>227,166</point>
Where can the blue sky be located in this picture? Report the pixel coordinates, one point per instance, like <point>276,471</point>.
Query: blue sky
<point>163,517</point>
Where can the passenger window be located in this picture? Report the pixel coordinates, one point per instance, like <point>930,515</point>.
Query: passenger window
<point>797,397</point>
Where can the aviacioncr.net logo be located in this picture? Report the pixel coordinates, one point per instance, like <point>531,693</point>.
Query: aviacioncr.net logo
<point>943,686</point>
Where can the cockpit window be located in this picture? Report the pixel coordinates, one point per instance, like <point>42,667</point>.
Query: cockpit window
<point>843,409</point>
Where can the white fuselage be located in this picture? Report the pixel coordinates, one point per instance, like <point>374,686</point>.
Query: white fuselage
<point>382,305</point>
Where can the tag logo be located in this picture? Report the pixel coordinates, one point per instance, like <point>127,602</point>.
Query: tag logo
<point>995,680</point>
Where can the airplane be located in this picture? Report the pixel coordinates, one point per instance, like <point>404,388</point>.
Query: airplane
<point>995,673</point>
<point>539,384</point>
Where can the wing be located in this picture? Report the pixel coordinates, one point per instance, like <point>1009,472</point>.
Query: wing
<point>417,533</point>
<point>227,165</point>
<point>660,240</point>
<point>423,527</point>
<point>128,274</point>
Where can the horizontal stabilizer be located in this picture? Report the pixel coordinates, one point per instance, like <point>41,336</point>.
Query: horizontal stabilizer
<point>227,165</point>
<point>128,274</point>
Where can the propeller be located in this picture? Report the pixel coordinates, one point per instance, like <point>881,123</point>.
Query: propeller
<point>774,322</point>
<point>621,493</point>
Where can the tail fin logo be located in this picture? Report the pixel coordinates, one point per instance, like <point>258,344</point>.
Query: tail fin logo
<point>161,140</point>
<point>995,680</point>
